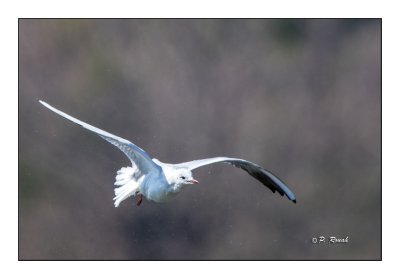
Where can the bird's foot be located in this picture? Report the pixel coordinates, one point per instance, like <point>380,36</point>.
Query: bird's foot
<point>139,202</point>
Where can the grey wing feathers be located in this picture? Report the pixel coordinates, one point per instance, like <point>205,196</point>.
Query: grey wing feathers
<point>137,155</point>
<point>265,177</point>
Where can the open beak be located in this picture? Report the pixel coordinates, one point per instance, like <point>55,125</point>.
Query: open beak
<point>194,181</point>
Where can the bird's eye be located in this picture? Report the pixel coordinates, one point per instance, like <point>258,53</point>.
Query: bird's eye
<point>182,177</point>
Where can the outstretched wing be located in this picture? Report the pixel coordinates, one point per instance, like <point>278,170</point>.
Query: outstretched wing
<point>262,175</point>
<point>138,156</point>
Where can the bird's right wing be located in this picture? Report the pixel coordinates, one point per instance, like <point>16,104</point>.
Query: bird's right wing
<point>136,155</point>
<point>265,177</point>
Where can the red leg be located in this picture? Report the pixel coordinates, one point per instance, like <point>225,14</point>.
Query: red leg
<point>139,202</point>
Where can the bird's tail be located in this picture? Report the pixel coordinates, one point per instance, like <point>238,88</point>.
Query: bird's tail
<point>127,184</point>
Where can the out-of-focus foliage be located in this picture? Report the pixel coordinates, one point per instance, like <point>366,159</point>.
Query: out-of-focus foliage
<point>300,97</point>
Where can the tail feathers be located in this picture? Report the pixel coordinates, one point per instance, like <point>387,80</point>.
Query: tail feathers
<point>125,192</point>
<point>127,184</point>
<point>124,175</point>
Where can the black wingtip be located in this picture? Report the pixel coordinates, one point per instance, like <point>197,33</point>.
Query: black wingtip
<point>294,201</point>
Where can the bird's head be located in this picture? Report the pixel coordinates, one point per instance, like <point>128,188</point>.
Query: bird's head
<point>184,176</point>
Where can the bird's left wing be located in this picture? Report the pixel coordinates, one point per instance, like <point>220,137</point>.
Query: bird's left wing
<point>138,156</point>
<point>262,175</point>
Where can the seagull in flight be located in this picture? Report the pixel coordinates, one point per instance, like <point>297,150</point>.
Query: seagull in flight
<point>159,181</point>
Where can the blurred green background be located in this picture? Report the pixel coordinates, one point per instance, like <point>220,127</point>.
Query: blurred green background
<point>300,97</point>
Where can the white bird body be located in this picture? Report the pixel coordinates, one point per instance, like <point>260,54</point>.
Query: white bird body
<point>130,183</point>
<point>159,181</point>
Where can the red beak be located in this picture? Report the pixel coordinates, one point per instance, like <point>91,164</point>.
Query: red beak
<point>194,181</point>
